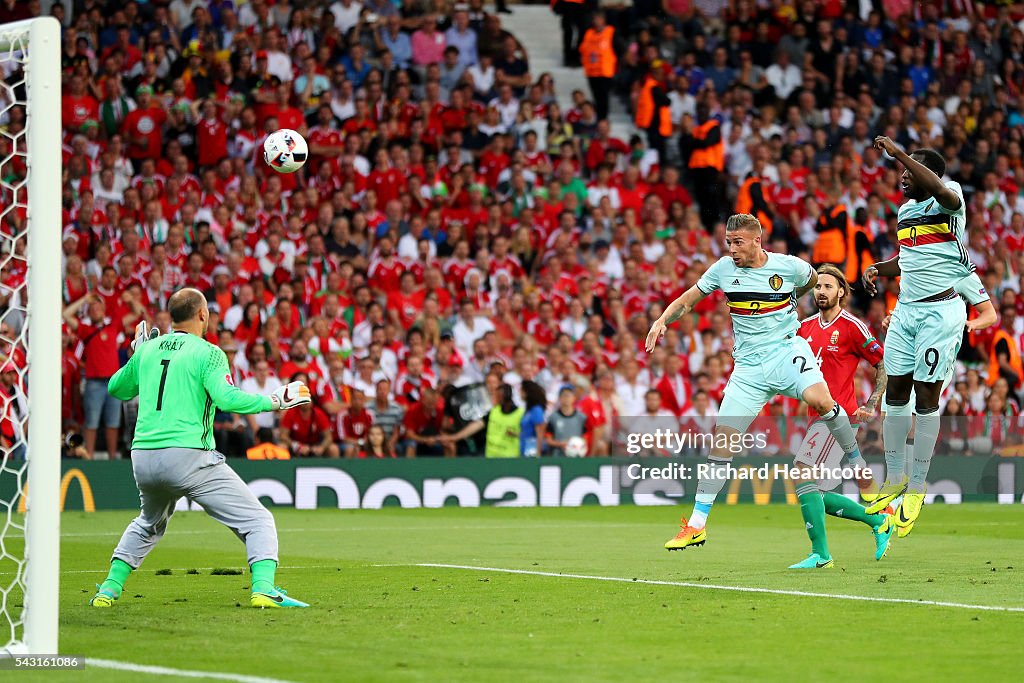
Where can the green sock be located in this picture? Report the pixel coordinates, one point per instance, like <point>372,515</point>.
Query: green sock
<point>116,577</point>
<point>812,507</point>
<point>840,506</point>
<point>263,576</point>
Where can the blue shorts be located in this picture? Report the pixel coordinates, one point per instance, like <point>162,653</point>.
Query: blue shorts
<point>924,338</point>
<point>786,369</point>
<point>100,405</point>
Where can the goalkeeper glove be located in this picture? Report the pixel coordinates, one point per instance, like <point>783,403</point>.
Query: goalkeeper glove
<point>290,395</point>
<point>144,334</point>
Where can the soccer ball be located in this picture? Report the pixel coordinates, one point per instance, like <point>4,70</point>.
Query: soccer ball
<point>576,447</point>
<point>285,151</point>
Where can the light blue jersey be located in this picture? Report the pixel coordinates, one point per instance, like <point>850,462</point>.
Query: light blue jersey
<point>762,301</point>
<point>972,290</point>
<point>932,253</point>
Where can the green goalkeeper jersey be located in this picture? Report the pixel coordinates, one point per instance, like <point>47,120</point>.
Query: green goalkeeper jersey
<point>180,378</point>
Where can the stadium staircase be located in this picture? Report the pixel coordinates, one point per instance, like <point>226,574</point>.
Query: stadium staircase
<point>540,31</point>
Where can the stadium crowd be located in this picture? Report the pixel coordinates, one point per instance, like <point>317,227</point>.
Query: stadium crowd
<point>458,240</point>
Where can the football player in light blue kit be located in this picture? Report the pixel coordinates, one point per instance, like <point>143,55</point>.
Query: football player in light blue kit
<point>927,324</point>
<point>771,359</point>
<point>972,291</point>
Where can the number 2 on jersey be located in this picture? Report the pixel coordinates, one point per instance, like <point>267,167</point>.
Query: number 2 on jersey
<point>166,362</point>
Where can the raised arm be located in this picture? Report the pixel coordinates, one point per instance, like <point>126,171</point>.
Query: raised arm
<point>923,176</point>
<point>675,310</point>
<point>136,313</point>
<point>70,313</point>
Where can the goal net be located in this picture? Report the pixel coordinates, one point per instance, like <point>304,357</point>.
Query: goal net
<point>30,335</point>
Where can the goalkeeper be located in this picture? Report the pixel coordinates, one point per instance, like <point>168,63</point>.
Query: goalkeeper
<point>180,378</point>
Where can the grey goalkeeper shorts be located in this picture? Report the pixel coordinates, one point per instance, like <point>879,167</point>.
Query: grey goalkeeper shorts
<point>165,475</point>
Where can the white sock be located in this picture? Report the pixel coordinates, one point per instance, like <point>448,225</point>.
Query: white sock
<point>838,423</point>
<point>895,428</point>
<point>925,435</point>
<point>708,489</point>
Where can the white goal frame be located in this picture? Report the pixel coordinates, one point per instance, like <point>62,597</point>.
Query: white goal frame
<point>42,518</point>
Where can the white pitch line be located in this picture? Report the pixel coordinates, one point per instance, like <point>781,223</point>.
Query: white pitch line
<point>738,589</point>
<point>180,673</point>
<point>101,570</point>
<point>378,529</point>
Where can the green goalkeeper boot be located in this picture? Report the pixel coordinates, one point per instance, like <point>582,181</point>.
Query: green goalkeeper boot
<point>104,597</point>
<point>277,597</point>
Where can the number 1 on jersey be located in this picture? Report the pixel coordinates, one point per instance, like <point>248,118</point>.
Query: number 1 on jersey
<point>166,362</point>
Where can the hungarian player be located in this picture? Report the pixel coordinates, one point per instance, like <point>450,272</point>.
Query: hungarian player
<point>840,342</point>
<point>928,322</point>
<point>771,359</point>
<point>179,379</point>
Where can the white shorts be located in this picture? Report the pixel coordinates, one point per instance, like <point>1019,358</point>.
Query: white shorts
<point>819,448</point>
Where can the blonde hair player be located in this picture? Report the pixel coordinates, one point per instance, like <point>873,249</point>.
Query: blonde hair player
<point>761,289</point>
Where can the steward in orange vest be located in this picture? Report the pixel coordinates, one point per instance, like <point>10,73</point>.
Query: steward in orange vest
<point>708,146</point>
<point>265,448</point>
<point>653,114</point>
<point>1005,347</point>
<point>597,52</point>
<point>268,451</point>
<point>706,151</point>
<point>750,199</point>
<point>858,248</point>
<point>833,228</point>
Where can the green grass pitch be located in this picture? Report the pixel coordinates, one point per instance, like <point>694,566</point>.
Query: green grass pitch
<point>377,616</point>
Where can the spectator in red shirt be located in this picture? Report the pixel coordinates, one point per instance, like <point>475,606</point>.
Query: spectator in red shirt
<point>13,411</point>
<point>299,361</point>
<point>100,337</point>
<point>211,136</point>
<point>402,303</point>
<point>142,127</point>
<point>71,376</point>
<point>423,422</point>
<point>354,425</point>
<point>669,190</point>
<point>288,116</point>
<point>77,105</point>
<point>385,271</point>
<point>306,432</point>
<point>385,180</point>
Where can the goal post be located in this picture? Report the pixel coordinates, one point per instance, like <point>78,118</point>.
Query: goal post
<point>32,49</point>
